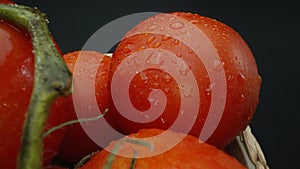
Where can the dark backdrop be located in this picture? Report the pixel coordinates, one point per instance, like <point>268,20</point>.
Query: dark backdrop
<point>271,29</point>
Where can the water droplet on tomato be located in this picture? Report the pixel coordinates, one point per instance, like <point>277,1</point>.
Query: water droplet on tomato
<point>183,32</point>
<point>155,85</point>
<point>179,55</point>
<point>172,19</point>
<point>210,87</point>
<point>128,48</point>
<point>177,25</point>
<point>166,37</point>
<point>167,77</point>
<point>176,42</point>
<point>150,39</point>
<point>241,98</point>
<point>162,120</point>
<point>142,47</point>
<point>230,77</point>
<point>194,21</point>
<point>241,79</point>
<point>156,45</point>
<point>152,27</point>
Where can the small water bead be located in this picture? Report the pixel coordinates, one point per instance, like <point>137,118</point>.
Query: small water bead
<point>162,120</point>
<point>5,104</point>
<point>150,39</point>
<point>176,42</point>
<point>156,77</point>
<point>141,47</point>
<point>241,98</point>
<point>166,37</point>
<point>230,77</point>
<point>210,87</point>
<point>179,55</point>
<point>167,77</point>
<point>156,45</point>
<point>126,49</point>
<point>152,27</point>
<point>241,79</point>
<point>182,32</point>
<point>194,21</point>
<point>172,19</point>
<point>177,25</point>
<point>155,85</point>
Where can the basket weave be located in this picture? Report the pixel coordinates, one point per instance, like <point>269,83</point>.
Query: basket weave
<point>247,150</point>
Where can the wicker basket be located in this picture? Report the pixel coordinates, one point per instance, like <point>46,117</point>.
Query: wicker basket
<point>247,150</point>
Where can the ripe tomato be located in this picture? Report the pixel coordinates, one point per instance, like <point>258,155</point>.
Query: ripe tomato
<point>6,2</point>
<point>16,71</point>
<point>187,71</point>
<point>77,143</point>
<point>188,153</point>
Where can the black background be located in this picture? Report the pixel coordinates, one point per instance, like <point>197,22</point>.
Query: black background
<point>269,27</point>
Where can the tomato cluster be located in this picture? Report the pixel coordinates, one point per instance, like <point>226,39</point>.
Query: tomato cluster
<point>148,76</point>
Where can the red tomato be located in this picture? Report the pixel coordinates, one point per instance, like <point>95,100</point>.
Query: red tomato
<point>188,153</point>
<point>167,68</point>
<point>6,2</point>
<point>77,143</point>
<point>16,71</point>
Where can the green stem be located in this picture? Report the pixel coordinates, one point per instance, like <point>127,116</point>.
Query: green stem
<point>51,79</point>
<point>47,133</point>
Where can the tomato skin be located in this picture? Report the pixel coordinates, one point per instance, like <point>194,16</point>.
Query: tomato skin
<point>16,71</point>
<point>6,2</point>
<point>77,143</point>
<point>188,153</point>
<point>242,80</point>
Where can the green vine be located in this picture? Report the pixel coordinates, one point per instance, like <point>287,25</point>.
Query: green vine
<point>110,159</point>
<point>51,80</point>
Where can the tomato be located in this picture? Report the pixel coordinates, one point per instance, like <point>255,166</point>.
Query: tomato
<point>188,153</point>
<point>77,143</point>
<point>16,71</point>
<point>6,2</point>
<point>184,72</point>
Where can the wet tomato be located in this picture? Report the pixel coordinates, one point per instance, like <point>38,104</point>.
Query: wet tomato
<point>187,153</point>
<point>184,72</point>
<point>16,72</point>
<point>77,143</point>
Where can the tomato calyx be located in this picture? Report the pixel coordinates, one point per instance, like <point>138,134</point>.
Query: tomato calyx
<point>46,86</point>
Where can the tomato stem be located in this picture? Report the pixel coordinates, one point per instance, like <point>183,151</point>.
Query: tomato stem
<point>51,80</point>
<point>47,133</point>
